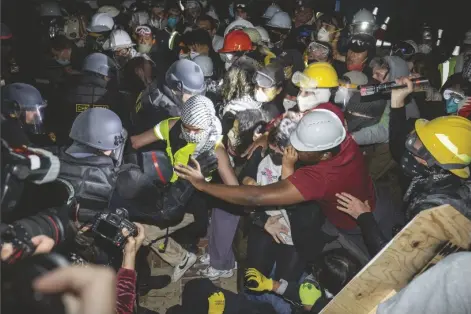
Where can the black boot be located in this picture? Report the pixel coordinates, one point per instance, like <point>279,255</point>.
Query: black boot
<point>153,282</point>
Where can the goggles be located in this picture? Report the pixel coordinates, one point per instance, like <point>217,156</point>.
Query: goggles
<point>417,148</point>
<point>405,49</point>
<point>316,47</point>
<point>362,28</point>
<point>451,94</point>
<point>263,80</point>
<point>143,31</point>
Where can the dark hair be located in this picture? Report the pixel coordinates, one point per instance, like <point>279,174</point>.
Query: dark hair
<point>208,18</point>
<point>426,67</point>
<point>131,81</point>
<point>334,150</point>
<point>61,42</point>
<point>199,37</point>
<point>335,268</point>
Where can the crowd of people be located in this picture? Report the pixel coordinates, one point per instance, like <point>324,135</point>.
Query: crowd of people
<point>257,130</point>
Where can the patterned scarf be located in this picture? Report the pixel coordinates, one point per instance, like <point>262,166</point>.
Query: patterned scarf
<point>199,112</point>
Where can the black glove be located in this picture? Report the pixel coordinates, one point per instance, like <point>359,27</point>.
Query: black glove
<point>208,162</point>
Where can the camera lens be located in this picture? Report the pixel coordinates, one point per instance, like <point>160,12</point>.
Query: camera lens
<point>46,224</point>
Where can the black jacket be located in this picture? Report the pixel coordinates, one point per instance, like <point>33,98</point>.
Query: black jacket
<point>92,177</point>
<point>90,92</point>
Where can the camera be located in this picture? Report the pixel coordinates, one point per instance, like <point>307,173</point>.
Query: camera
<point>110,225</point>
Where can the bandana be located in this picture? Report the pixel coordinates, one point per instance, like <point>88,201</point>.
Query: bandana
<point>198,112</point>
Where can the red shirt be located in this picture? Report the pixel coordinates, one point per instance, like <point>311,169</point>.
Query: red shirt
<point>346,172</point>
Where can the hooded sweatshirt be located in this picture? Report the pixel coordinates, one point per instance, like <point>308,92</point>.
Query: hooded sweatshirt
<point>379,133</point>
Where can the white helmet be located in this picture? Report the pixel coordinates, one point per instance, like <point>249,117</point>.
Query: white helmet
<point>364,22</point>
<point>101,22</point>
<point>263,32</point>
<point>126,4</point>
<point>140,18</point>
<point>280,20</point>
<point>318,130</point>
<point>206,65</point>
<point>237,24</point>
<point>254,35</point>
<point>72,29</point>
<point>51,9</point>
<point>110,10</point>
<point>118,39</point>
<point>270,11</point>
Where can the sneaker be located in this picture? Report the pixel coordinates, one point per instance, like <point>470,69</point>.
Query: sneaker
<point>214,274</point>
<point>204,259</point>
<point>180,269</point>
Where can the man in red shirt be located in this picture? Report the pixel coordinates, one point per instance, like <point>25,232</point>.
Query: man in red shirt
<point>333,163</point>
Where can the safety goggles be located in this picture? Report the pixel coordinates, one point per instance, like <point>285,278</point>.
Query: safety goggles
<point>405,49</point>
<point>417,148</point>
<point>318,48</point>
<point>451,94</point>
<point>143,31</point>
<point>362,28</point>
<point>263,80</point>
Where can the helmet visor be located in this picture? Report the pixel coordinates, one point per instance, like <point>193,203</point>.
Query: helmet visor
<point>417,148</point>
<point>362,28</point>
<point>263,80</point>
<point>34,117</point>
<point>301,80</point>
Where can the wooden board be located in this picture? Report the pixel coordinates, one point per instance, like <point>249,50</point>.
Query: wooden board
<point>404,257</point>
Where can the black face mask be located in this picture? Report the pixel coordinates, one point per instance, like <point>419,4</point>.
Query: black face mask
<point>274,37</point>
<point>412,168</point>
<point>277,158</point>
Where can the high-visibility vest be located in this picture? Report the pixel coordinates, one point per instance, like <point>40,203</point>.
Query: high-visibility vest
<point>447,69</point>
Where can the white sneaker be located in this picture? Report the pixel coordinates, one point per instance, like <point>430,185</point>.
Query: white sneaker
<point>180,269</point>
<point>204,259</point>
<point>213,274</point>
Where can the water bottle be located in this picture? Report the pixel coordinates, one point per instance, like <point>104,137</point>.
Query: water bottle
<point>420,83</point>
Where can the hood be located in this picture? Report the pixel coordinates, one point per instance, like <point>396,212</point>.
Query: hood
<point>241,104</point>
<point>397,67</point>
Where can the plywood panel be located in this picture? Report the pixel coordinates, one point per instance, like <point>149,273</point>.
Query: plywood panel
<point>404,256</point>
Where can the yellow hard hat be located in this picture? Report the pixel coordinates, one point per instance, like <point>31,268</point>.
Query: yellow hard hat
<point>317,75</point>
<point>448,140</point>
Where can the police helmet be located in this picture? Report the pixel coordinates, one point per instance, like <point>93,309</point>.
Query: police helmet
<point>99,128</point>
<point>185,76</point>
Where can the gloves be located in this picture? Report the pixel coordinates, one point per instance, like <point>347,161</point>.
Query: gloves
<point>208,162</point>
<point>216,303</point>
<point>309,292</point>
<point>255,281</point>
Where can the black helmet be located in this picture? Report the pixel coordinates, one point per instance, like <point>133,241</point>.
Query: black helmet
<point>99,128</point>
<point>19,99</point>
<point>156,165</point>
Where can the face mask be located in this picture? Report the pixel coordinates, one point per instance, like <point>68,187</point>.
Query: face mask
<point>307,102</point>
<point>193,55</point>
<point>288,104</point>
<point>172,22</point>
<point>192,137</point>
<point>63,62</point>
<point>261,96</point>
<point>451,106</point>
<point>231,10</point>
<point>229,56</point>
<point>356,67</point>
<point>276,157</point>
<point>274,37</point>
<point>182,56</point>
<point>412,167</point>
<point>144,48</point>
<point>227,65</point>
<point>342,97</point>
<point>323,35</point>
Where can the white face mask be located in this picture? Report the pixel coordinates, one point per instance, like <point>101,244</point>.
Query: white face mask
<point>193,55</point>
<point>288,104</point>
<point>261,96</point>
<point>319,96</point>
<point>426,49</point>
<point>229,56</point>
<point>342,97</point>
<point>323,35</point>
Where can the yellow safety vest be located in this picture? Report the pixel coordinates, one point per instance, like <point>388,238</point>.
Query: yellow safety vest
<point>181,156</point>
<point>447,69</point>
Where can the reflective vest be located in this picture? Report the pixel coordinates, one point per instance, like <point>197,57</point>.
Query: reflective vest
<point>447,69</point>
<point>181,155</point>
